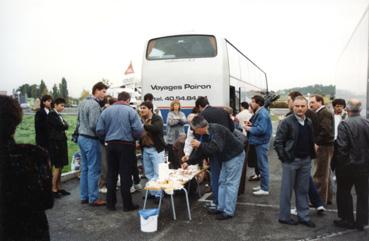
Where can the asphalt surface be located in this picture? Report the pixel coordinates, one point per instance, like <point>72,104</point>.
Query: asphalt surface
<point>255,219</point>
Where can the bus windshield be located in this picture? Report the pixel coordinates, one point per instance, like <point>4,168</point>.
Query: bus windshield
<point>182,47</point>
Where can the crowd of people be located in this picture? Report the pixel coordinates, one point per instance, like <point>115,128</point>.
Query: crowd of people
<point>110,132</point>
<point>338,143</point>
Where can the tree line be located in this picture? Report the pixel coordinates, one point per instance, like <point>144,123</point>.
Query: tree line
<point>324,90</point>
<point>37,91</point>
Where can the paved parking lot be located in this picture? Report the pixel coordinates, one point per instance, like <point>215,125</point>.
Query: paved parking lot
<point>256,219</point>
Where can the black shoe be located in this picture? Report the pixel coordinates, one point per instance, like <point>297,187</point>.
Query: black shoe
<point>131,208</point>
<point>343,224</point>
<point>289,222</point>
<point>223,216</point>
<point>309,223</point>
<point>359,227</point>
<point>56,194</point>
<point>214,211</point>
<point>64,192</point>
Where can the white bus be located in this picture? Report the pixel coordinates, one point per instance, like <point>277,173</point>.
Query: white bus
<point>187,66</point>
<point>352,70</point>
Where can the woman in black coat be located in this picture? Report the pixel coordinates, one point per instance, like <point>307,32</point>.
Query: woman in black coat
<point>58,148</point>
<point>25,181</point>
<point>41,121</point>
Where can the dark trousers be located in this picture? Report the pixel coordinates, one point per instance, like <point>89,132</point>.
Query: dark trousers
<point>257,171</point>
<point>174,161</point>
<point>344,197</point>
<point>215,167</point>
<point>314,196</point>
<point>135,172</point>
<point>241,189</point>
<point>120,160</point>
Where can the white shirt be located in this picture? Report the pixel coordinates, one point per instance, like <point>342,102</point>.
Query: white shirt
<point>337,120</point>
<point>243,116</point>
<point>321,107</point>
<point>301,120</point>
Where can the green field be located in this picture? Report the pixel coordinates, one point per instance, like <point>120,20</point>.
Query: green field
<point>25,133</point>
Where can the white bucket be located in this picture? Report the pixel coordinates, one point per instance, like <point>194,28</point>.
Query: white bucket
<point>150,224</point>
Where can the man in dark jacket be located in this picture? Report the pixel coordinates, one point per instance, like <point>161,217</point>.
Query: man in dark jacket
<point>351,163</point>
<point>216,140</point>
<point>324,138</point>
<point>152,144</point>
<point>294,144</point>
<point>314,196</point>
<point>221,117</point>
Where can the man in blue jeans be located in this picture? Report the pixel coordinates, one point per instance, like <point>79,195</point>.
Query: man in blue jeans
<point>259,131</point>
<point>217,140</point>
<point>88,114</point>
<point>221,117</point>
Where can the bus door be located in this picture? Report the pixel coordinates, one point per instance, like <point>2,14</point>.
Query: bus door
<point>234,98</point>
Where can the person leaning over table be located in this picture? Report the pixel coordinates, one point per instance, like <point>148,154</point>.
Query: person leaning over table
<point>217,140</point>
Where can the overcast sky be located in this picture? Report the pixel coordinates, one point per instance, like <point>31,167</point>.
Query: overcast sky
<point>297,42</point>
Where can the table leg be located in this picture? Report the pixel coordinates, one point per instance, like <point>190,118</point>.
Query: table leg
<point>188,204</point>
<point>146,194</point>
<point>173,207</point>
<point>161,197</point>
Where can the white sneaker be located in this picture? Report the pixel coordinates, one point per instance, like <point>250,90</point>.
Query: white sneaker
<point>133,189</point>
<point>138,186</point>
<point>256,188</point>
<point>320,209</point>
<point>293,211</point>
<point>260,193</point>
<point>103,190</point>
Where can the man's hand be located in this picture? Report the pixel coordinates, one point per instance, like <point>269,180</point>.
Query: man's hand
<point>316,148</point>
<point>247,128</point>
<point>195,144</point>
<point>185,159</point>
<point>247,125</point>
<point>184,165</point>
<point>205,163</point>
